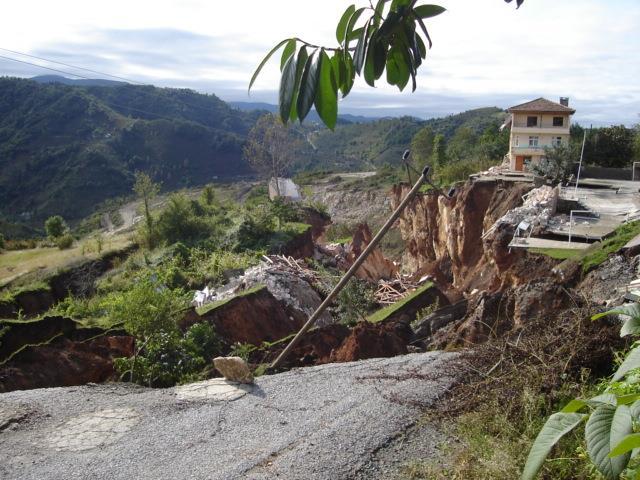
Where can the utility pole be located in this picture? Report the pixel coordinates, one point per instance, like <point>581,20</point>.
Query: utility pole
<point>584,140</point>
<point>363,256</point>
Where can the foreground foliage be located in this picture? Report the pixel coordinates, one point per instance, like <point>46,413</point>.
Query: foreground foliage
<point>610,418</point>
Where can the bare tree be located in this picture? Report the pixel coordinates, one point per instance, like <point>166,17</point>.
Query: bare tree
<point>270,148</point>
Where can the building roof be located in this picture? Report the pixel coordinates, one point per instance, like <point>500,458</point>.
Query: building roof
<point>541,105</point>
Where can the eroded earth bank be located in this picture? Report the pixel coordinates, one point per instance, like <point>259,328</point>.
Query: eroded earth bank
<point>459,303</point>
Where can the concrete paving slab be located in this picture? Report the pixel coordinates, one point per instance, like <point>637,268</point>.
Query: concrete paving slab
<point>534,242</point>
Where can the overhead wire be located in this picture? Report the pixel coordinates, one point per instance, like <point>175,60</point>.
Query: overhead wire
<point>70,66</point>
<point>89,78</point>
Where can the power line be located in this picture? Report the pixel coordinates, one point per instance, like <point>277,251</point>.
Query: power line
<point>70,66</point>
<point>46,68</point>
<point>89,78</point>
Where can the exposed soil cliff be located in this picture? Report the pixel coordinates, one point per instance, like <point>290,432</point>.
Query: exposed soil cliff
<point>444,236</point>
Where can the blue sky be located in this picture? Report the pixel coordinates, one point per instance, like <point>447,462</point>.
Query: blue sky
<point>485,53</point>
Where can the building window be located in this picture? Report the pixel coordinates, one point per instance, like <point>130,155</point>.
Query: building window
<point>517,142</point>
<point>533,141</point>
<point>556,141</point>
<point>532,121</point>
<point>558,121</point>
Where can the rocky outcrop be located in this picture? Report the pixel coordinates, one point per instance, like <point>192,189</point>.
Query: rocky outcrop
<point>444,236</point>
<point>376,266</point>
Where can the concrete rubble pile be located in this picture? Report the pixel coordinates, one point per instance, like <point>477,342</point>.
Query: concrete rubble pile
<point>287,279</point>
<point>537,210</point>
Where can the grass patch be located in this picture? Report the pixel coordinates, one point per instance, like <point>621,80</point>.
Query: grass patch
<point>385,312</point>
<point>204,309</point>
<point>9,295</point>
<point>596,256</point>
<point>557,253</point>
<point>18,263</point>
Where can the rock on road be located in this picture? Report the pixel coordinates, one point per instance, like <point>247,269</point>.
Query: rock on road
<point>325,422</point>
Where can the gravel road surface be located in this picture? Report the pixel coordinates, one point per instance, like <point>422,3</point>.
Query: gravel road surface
<point>336,421</point>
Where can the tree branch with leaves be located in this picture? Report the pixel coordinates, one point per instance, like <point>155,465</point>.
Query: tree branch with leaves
<point>391,36</point>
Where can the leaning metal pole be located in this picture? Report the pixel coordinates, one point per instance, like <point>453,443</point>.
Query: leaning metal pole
<point>343,281</point>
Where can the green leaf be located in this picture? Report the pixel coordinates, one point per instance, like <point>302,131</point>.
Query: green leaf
<point>326,100</point>
<point>349,30</point>
<point>339,68</point>
<point>631,361</point>
<point>308,84</point>
<point>395,66</point>
<point>631,310</point>
<point>628,399</point>
<point>574,405</point>
<point>300,63</point>
<point>361,48</point>
<point>421,46</point>
<point>424,30</point>
<point>376,57</point>
<point>556,426</point>
<point>378,12</point>
<point>398,4</point>
<point>606,427</point>
<point>602,399</point>
<point>427,11</point>
<point>390,23</point>
<point>350,75</point>
<point>289,50</point>
<point>379,58</point>
<point>627,444</point>
<point>287,88</point>
<point>342,24</point>
<point>264,61</point>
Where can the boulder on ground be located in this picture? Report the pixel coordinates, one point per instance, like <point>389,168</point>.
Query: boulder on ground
<point>234,369</point>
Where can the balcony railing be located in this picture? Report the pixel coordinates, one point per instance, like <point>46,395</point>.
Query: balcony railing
<point>532,147</point>
<point>524,125</point>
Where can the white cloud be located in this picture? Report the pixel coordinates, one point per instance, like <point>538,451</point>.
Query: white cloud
<point>485,51</point>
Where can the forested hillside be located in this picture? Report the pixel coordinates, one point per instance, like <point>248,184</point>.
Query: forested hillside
<point>368,145</point>
<point>64,149</point>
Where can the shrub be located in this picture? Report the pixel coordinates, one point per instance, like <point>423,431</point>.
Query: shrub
<point>147,307</point>
<point>55,226</point>
<point>169,358</point>
<point>65,241</point>
<point>2,242</point>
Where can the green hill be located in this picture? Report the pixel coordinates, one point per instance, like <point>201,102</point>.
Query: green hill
<point>64,149</point>
<point>368,145</point>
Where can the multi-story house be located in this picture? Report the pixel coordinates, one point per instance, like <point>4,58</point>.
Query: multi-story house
<point>535,125</point>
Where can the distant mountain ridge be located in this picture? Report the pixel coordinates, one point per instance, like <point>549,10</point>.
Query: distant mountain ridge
<point>64,149</point>
<point>312,117</point>
<point>67,146</point>
<point>81,82</point>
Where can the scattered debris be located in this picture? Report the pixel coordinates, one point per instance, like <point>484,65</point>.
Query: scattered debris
<point>287,279</point>
<point>390,291</point>
<point>538,208</point>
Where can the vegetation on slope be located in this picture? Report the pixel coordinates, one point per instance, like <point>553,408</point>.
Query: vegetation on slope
<point>65,149</point>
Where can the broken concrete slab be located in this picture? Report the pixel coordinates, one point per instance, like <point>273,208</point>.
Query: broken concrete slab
<point>214,389</point>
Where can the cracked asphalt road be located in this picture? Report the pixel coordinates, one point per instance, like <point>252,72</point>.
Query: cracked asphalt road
<point>327,422</point>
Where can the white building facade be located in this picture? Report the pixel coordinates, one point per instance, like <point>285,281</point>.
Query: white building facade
<point>536,125</point>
